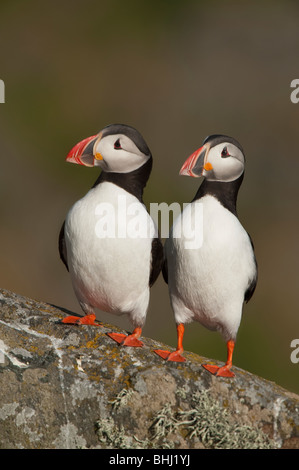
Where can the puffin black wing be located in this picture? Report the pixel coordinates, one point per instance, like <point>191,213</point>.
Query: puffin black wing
<point>157,260</point>
<point>252,284</point>
<point>62,246</point>
<point>250,289</point>
<point>165,271</point>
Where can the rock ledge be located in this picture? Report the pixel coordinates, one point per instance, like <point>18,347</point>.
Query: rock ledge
<point>69,387</point>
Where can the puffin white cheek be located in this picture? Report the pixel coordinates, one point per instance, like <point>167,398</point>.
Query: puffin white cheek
<point>224,170</point>
<point>122,162</point>
<point>232,169</point>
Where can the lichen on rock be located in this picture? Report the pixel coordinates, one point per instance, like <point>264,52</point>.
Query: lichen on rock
<point>204,422</point>
<point>68,387</point>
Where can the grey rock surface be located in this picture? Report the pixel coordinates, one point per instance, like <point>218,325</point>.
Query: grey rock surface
<point>72,387</point>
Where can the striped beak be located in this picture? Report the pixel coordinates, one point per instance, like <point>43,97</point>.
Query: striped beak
<point>197,162</point>
<point>83,152</point>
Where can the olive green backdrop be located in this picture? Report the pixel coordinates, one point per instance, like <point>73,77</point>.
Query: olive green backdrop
<point>177,71</point>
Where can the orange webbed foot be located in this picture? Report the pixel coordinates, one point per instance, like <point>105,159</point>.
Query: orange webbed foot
<point>124,340</point>
<point>86,320</point>
<point>223,371</point>
<point>174,356</point>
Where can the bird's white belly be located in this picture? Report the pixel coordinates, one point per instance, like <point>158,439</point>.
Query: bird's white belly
<point>109,263</point>
<point>208,283</point>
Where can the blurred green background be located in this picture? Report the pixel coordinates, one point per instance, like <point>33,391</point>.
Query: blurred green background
<point>177,71</point>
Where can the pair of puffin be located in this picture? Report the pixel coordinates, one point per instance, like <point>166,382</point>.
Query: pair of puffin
<point>207,283</point>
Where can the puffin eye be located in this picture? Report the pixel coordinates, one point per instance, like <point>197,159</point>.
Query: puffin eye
<point>117,144</point>
<point>224,153</point>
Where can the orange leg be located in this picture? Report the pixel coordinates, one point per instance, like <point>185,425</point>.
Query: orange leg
<point>130,340</point>
<point>223,371</point>
<point>87,320</point>
<point>176,355</point>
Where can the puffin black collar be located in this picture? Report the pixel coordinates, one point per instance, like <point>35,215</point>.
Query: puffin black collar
<point>133,182</point>
<point>225,192</point>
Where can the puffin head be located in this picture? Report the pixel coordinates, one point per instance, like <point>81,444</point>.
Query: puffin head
<point>221,158</point>
<point>117,148</point>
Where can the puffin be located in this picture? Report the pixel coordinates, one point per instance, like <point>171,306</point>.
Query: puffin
<point>108,242</point>
<point>210,264</point>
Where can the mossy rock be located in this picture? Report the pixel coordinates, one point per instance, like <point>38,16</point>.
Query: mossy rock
<point>68,387</point>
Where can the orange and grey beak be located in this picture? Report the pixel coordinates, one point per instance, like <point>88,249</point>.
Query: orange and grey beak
<point>197,162</point>
<point>83,153</point>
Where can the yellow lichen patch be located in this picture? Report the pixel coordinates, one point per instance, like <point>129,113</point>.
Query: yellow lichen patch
<point>93,343</point>
<point>34,349</point>
<point>94,376</point>
<point>48,309</point>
